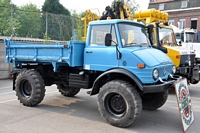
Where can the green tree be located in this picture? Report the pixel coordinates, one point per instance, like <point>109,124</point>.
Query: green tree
<point>57,23</point>
<point>29,17</point>
<point>54,6</point>
<point>133,5</point>
<point>7,21</point>
<point>78,25</point>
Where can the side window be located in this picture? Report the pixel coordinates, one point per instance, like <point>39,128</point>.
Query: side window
<point>98,33</point>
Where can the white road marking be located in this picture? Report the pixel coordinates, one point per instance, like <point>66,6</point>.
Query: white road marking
<point>195,98</point>
<point>6,93</point>
<point>6,87</point>
<point>6,101</point>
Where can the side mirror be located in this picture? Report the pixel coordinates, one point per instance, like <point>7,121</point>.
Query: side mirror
<point>163,49</point>
<point>108,39</point>
<point>166,23</point>
<point>150,33</point>
<point>150,28</point>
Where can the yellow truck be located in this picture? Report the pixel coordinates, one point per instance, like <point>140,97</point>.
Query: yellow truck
<point>165,40</point>
<point>162,35</point>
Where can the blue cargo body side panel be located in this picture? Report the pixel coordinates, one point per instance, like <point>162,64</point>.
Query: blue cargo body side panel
<point>70,54</point>
<point>77,51</point>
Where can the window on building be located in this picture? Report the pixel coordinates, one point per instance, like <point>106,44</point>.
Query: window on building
<point>161,6</point>
<point>171,22</point>
<point>193,23</point>
<point>184,4</point>
<point>181,24</point>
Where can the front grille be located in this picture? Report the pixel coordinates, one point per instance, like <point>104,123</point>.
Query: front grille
<point>185,58</point>
<point>164,71</point>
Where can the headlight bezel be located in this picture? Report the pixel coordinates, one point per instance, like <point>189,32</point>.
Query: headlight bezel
<point>173,69</point>
<point>155,74</point>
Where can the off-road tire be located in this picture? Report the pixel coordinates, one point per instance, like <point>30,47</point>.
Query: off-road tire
<point>153,101</point>
<point>119,103</point>
<point>67,91</point>
<point>29,87</point>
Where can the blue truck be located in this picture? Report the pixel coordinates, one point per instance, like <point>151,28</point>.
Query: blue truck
<point>116,62</point>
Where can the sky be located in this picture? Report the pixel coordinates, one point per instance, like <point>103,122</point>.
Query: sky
<point>80,5</point>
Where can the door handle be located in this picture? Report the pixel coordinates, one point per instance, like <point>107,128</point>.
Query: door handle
<point>88,51</point>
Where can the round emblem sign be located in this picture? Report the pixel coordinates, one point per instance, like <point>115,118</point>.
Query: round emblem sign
<point>185,104</point>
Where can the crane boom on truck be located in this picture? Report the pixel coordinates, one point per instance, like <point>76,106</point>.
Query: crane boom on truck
<point>115,62</point>
<point>89,16</point>
<point>119,10</point>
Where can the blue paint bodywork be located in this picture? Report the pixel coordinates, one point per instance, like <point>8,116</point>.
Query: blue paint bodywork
<point>58,55</point>
<point>101,58</point>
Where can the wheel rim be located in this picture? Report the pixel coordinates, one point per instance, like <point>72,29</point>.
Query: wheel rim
<point>115,104</point>
<point>25,88</point>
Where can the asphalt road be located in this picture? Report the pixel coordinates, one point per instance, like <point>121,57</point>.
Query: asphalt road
<point>59,114</point>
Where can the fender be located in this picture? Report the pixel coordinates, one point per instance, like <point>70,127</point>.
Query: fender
<point>95,88</point>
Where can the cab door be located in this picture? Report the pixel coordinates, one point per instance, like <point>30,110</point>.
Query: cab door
<point>97,56</point>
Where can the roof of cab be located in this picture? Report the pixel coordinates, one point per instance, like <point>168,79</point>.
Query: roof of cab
<point>114,21</point>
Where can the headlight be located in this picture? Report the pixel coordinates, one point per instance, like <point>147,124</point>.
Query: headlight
<point>155,73</point>
<point>173,69</point>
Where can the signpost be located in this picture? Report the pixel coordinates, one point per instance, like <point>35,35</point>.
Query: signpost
<point>184,104</point>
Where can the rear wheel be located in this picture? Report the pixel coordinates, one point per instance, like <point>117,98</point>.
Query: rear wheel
<point>152,101</point>
<point>67,91</point>
<point>29,87</point>
<point>119,103</point>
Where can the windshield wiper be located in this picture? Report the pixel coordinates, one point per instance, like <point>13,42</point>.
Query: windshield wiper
<point>170,43</point>
<point>130,43</point>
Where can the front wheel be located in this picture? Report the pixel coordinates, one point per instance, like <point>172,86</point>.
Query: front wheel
<point>152,101</point>
<point>67,91</point>
<point>29,87</point>
<point>119,103</point>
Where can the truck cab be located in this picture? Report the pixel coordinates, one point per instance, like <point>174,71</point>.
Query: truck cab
<point>129,50</point>
<point>188,40</point>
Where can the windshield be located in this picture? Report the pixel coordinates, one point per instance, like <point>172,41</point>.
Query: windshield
<point>166,36</point>
<point>132,35</point>
<point>178,36</point>
<point>190,37</point>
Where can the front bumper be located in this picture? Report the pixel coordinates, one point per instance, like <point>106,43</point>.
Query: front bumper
<point>162,86</point>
